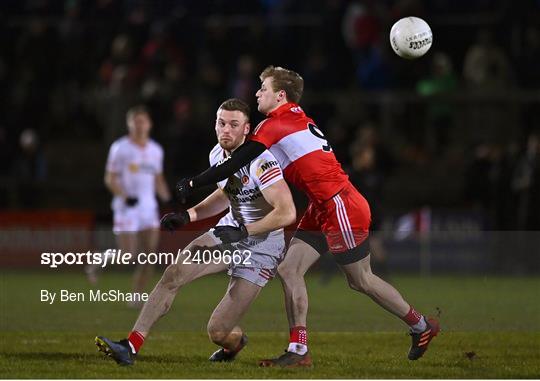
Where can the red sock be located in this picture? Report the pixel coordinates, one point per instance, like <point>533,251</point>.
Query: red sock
<point>412,317</point>
<point>136,339</point>
<point>298,335</point>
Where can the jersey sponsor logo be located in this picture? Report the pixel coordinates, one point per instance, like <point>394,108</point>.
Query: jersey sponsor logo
<point>240,195</point>
<point>251,198</point>
<point>141,168</point>
<point>266,166</point>
<point>238,191</point>
<point>147,168</point>
<point>222,161</point>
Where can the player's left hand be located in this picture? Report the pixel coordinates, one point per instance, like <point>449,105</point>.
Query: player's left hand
<point>183,189</point>
<point>229,234</point>
<point>173,221</point>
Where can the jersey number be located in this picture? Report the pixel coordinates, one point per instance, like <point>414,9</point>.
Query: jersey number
<point>315,131</point>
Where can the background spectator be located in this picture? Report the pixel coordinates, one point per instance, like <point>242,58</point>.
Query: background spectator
<point>71,69</point>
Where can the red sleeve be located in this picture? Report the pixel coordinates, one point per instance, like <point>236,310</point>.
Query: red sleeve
<point>266,133</point>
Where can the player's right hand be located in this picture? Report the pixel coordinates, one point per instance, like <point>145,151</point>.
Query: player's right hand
<point>173,221</point>
<point>131,201</point>
<point>183,189</point>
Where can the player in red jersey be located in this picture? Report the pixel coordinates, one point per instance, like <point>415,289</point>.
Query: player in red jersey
<point>337,218</point>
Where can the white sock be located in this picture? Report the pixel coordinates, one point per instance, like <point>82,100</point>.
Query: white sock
<point>420,326</point>
<point>299,349</point>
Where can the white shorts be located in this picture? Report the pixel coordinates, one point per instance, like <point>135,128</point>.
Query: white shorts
<point>260,259</point>
<point>134,219</point>
<point>254,275</point>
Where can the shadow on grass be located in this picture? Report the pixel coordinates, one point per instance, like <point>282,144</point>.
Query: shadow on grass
<point>65,356</point>
<point>45,356</point>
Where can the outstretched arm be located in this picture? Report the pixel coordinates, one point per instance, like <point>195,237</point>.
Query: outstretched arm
<point>241,157</point>
<point>211,206</point>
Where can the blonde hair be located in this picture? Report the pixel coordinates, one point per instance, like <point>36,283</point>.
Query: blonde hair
<point>287,80</point>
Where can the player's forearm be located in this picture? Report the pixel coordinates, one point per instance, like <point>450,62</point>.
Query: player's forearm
<point>209,207</point>
<point>164,195</point>
<point>113,185</point>
<point>201,212</point>
<point>276,219</point>
<point>162,189</point>
<point>241,157</point>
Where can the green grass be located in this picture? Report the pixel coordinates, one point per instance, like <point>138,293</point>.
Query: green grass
<point>497,319</point>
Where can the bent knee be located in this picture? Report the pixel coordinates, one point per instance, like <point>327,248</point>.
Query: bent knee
<point>217,333</point>
<point>287,272</point>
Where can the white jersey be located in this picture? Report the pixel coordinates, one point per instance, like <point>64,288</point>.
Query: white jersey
<point>137,167</point>
<point>244,188</point>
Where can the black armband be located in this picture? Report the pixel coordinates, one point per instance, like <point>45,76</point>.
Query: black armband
<point>241,156</point>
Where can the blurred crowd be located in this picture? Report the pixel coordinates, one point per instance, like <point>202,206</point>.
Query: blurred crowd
<point>70,69</point>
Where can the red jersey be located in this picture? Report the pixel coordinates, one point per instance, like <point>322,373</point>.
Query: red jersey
<point>301,149</point>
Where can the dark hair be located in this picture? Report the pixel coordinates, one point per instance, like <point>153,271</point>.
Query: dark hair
<point>235,104</point>
<point>287,80</point>
<point>136,110</point>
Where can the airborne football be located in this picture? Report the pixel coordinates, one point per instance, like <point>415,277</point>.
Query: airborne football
<point>263,190</point>
<point>411,37</point>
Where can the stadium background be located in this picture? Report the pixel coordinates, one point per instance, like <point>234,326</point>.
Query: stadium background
<point>446,148</point>
<point>455,132</point>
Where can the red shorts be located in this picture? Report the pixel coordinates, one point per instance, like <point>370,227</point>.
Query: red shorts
<point>344,220</point>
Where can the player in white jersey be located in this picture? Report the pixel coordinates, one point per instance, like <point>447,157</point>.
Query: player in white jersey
<point>134,175</point>
<point>260,205</point>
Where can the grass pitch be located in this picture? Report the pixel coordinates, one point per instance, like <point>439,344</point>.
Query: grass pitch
<point>491,329</point>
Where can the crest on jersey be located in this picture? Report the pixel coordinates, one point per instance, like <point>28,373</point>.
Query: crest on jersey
<point>133,167</point>
<point>245,180</point>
